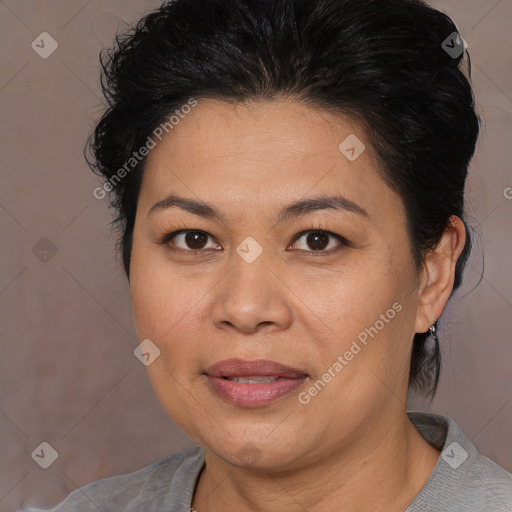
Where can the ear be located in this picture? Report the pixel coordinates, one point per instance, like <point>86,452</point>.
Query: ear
<point>438,274</point>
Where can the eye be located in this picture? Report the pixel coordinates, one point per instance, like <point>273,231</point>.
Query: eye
<point>320,241</point>
<point>197,242</point>
<point>190,240</point>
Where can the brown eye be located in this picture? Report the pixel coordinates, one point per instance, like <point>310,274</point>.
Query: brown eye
<point>189,241</point>
<point>319,241</point>
<point>195,240</point>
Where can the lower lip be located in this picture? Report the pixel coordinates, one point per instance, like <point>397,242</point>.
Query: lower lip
<point>254,395</point>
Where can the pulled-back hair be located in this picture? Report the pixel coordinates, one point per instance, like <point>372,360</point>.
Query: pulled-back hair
<point>382,62</point>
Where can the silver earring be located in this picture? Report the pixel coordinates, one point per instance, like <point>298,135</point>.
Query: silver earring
<point>432,330</point>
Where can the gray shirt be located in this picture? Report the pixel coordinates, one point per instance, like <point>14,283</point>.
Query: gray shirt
<point>462,480</point>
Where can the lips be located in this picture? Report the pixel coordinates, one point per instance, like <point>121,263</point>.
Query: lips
<point>256,368</point>
<point>253,383</point>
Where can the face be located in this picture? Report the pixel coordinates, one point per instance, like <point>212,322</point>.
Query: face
<point>326,287</point>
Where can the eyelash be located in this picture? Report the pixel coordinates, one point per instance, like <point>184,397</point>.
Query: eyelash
<point>166,238</point>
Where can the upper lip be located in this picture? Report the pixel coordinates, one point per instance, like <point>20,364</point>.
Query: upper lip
<point>256,367</point>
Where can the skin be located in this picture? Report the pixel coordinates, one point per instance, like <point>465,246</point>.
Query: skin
<point>351,447</point>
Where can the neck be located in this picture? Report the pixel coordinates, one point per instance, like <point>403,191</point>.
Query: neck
<point>386,469</point>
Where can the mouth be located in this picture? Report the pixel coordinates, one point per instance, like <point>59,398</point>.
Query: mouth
<point>253,383</point>
<point>255,379</point>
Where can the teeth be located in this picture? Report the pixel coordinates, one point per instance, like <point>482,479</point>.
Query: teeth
<point>252,380</point>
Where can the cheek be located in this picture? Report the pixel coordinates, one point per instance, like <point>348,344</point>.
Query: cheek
<point>161,298</point>
<point>170,321</point>
<point>356,297</point>
<point>163,308</point>
<point>171,308</point>
<point>161,313</point>
<point>370,313</point>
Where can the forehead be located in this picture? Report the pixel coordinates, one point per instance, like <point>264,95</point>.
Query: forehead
<point>257,153</point>
<point>255,129</point>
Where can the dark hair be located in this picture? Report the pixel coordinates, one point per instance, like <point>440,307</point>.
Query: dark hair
<point>383,62</point>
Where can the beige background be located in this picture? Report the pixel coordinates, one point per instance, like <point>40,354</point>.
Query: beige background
<point>68,375</point>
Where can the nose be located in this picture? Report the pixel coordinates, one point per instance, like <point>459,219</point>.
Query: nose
<point>252,298</point>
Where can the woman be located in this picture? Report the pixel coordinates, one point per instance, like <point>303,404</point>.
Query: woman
<point>289,181</point>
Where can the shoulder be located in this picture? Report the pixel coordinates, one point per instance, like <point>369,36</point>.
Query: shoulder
<point>166,481</point>
<point>463,479</point>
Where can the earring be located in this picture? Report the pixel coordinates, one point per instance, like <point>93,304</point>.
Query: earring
<point>432,330</point>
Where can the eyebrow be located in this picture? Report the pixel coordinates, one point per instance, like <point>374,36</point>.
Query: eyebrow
<point>296,209</point>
